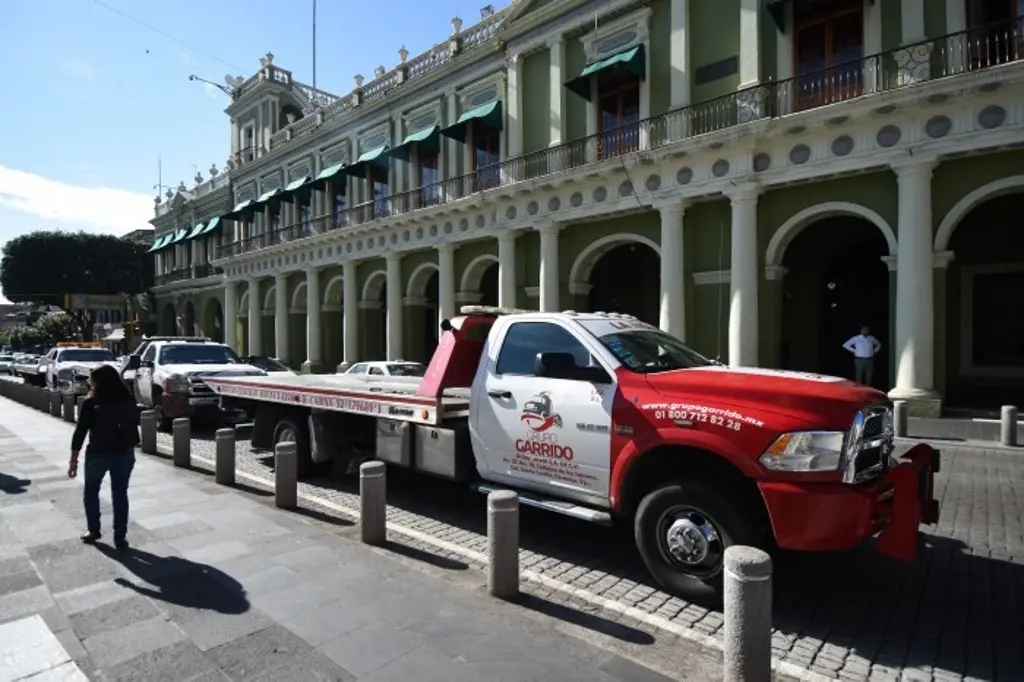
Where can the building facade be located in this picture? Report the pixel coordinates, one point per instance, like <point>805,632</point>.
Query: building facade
<point>758,177</point>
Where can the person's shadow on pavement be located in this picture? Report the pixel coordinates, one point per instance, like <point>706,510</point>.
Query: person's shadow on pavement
<point>12,485</point>
<point>181,582</point>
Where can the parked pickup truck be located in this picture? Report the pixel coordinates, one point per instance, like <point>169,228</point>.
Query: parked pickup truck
<point>603,417</point>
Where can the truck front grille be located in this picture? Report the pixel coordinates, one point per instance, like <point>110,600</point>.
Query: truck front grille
<point>869,444</point>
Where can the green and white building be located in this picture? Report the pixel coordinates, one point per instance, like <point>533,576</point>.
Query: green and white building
<point>758,177</point>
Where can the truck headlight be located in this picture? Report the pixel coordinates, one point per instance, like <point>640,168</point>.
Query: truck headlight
<point>805,451</point>
<point>176,383</point>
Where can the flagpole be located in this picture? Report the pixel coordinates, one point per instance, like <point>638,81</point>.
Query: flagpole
<point>314,47</point>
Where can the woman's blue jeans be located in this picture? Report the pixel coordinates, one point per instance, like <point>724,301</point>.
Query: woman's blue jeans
<point>119,465</point>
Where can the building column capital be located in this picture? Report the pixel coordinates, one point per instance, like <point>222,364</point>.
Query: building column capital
<point>914,167</point>
<point>673,207</point>
<point>743,193</point>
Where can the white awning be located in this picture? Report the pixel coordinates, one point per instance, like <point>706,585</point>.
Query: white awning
<point>116,335</point>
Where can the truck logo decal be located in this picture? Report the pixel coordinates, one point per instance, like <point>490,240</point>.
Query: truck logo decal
<point>539,413</point>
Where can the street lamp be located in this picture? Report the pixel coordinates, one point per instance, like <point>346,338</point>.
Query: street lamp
<point>223,88</point>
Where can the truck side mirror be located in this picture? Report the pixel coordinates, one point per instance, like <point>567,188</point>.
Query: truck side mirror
<point>148,364</point>
<point>133,362</point>
<point>553,365</point>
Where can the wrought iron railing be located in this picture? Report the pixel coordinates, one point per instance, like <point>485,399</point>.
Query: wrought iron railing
<point>175,275</point>
<point>950,55</point>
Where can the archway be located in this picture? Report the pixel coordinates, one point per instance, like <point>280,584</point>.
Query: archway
<point>835,283</point>
<point>423,295</point>
<point>190,319</point>
<point>213,320</point>
<point>985,283</point>
<point>489,286</point>
<point>297,342</point>
<point>332,323</point>
<point>375,320</point>
<point>168,320</point>
<point>431,318</point>
<point>623,278</point>
<point>481,278</point>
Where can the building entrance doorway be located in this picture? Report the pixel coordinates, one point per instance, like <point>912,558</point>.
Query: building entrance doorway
<point>627,280</point>
<point>835,283</point>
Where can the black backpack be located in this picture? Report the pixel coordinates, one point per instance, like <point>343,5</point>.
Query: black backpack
<point>120,422</point>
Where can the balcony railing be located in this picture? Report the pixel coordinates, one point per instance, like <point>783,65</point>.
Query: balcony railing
<point>190,272</point>
<point>951,55</point>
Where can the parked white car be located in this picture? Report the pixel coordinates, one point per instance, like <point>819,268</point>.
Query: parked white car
<point>389,368</point>
<point>6,363</point>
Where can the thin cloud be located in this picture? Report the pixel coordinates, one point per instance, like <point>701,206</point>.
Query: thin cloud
<point>82,70</point>
<point>106,209</point>
<point>212,91</point>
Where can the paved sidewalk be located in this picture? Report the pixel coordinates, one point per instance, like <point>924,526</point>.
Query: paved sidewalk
<point>220,585</point>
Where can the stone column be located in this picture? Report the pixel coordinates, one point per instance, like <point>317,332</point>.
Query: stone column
<point>915,303</point>
<point>679,54</point>
<point>507,269</point>
<point>556,84</point>
<point>743,320</point>
<point>350,314</point>
<point>394,306</point>
<point>255,319</point>
<point>446,281</point>
<point>231,314</point>
<point>549,277</point>
<point>672,316</point>
<point>281,318</point>
<point>454,149</point>
<point>313,333</point>
<point>515,106</point>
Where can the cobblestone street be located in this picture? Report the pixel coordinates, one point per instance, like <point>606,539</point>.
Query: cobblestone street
<point>953,615</point>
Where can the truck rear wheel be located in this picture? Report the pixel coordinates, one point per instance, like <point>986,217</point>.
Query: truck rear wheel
<point>292,430</point>
<point>682,530</point>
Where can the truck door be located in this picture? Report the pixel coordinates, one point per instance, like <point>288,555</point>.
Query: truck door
<point>551,435</point>
<point>144,376</point>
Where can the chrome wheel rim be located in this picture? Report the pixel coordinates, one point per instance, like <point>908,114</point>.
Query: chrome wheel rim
<point>690,541</point>
<point>286,435</point>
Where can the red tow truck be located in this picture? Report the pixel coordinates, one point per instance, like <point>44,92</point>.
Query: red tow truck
<point>602,417</point>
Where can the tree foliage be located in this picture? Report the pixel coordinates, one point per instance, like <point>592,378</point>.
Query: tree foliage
<point>25,337</point>
<point>57,326</point>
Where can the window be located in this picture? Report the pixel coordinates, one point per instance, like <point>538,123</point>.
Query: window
<point>428,165</point>
<point>306,218</point>
<point>357,369</point>
<point>339,202</point>
<point>618,110</point>
<point>86,355</point>
<point>273,217</point>
<point>524,340</point>
<point>150,355</point>
<point>486,157</point>
<point>996,33</point>
<point>376,371</point>
<point>828,49</point>
<point>378,180</point>
<point>652,351</point>
<point>197,354</point>
<point>407,369</point>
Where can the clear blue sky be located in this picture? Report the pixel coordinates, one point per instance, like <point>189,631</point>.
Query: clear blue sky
<point>92,98</point>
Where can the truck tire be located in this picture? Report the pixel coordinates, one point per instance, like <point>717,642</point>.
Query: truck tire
<point>682,529</point>
<point>163,422</point>
<point>290,429</point>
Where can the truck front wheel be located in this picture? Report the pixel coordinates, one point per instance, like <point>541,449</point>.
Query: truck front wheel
<point>682,530</point>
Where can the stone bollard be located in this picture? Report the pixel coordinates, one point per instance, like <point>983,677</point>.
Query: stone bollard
<point>68,401</point>
<point>224,469</point>
<point>503,544</point>
<point>147,424</point>
<point>899,419</point>
<point>1008,425</point>
<point>748,615</point>
<point>78,405</point>
<point>373,503</point>
<point>181,439</point>
<point>286,476</point>
<point>54,403</point>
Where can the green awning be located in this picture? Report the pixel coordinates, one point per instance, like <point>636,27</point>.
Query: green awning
<point>296,184</point>
<point>426,139</point>
<point>326,175</point>
<point>210,226</point>
<point>378,157</point>
<point>487,115</point>
<point>180,236</point>
<point>632,59</point>
<point>160,242</point>
<point>268,195</point>
<point>240,208</point>
<point>196,231</point>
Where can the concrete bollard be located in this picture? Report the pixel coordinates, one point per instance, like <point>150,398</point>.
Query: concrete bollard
<point>748,615</point>
<point>147,424</point>
<point>286,476</point>
<point>181,439</point>
<point>899,418</point>
<point>373,503</point>
<point>503,544</point>
<point>224,469</point>
<point>54,398</point>
<point>1008,425</point>
<point>68,401</point>
<point>78,405</point>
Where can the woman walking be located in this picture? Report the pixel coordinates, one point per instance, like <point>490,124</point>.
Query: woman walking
<point>111,419</point>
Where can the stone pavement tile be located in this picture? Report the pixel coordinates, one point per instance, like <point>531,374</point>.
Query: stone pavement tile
<point>72,644</point>
<point>627,671</point>
<point>15,564</point>
<point>26,602</point>
<point>51,486</point>
<point>174,518</point>
<point>90,596</point>
<point>68,564</point>
<point>112,616</point>
<point>182,530</point>
<point>312,557</point>
<point>370,647</point>
<point>27,647</point>
<point>199,541</point>
<point>175,663</point>
<point>210,629</point>
<point>331,621</point>
<point>425,664</point>
<point>268,580</point>
<point>68,672</point>
<point>12,551</point>
<point>293,600</point>
<point>116,646</point>
<point>16,582</point>
<point>274,655</point>
<point>221,551</point>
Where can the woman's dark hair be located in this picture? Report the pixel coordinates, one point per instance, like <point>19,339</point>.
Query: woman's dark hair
<point>108,386</point>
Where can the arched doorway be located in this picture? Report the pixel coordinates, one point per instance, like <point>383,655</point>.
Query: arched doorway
<point>835,283</point>
<point>373,303</point>
<point>168,320</point>
<point>984,337</point>
<point>190,319</point>
<point>625,279</point>
<point>489,286</point>
<point>213,320</point>
<point>431,317</point>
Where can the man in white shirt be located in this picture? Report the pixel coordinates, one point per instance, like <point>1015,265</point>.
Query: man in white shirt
<point>864,346</point>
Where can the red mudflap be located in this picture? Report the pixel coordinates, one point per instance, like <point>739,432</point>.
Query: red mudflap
<point>912,502</point>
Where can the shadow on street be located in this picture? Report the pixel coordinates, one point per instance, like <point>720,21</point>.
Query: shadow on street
<point>13,485</point>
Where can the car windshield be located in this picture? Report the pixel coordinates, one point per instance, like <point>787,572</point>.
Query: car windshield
<point>6,358</point>
<point>267,364</point>
<point>86,355</point>
<point>411,369</point>
<point>650,351</point>
<point>197,354</point>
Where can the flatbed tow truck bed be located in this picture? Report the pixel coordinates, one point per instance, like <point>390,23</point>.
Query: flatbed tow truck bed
<point>388,398</point>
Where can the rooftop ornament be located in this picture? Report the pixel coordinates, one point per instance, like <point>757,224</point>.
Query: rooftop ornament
<point>403,54</point>
<point>456,26</point>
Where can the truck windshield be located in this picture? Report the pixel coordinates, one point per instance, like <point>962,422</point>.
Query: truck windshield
<point>86,355</point>
<point>197,354</point>
<point>411,369</point>
<point>650,351</point>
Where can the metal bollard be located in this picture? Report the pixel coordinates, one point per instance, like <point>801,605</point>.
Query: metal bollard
<point>68,401</point>
<point>1008,425</point>
<point>899,418</point>
<point>147,424</point>
<point>373,524</point>
<point>748,615</point>
<point>54,398</point>
<point>503,544</point>
<point>181,438</point>
<point>224,469</point>
<point>286,475</point>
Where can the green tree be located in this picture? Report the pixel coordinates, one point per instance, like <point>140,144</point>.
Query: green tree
<point>56,326</point>
<point>25,337</point>
<point>44,267</point>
